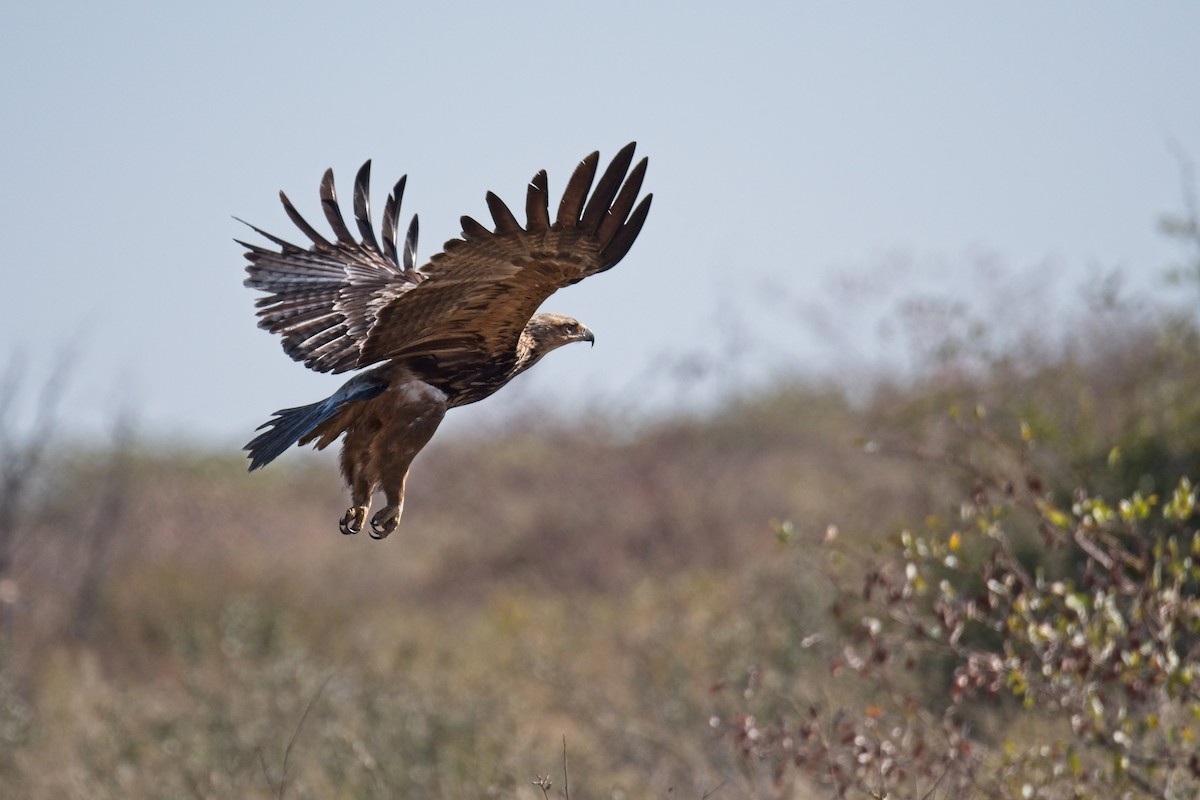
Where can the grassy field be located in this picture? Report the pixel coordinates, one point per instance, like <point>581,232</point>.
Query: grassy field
<point>176,628</point>
<point>543,585</point>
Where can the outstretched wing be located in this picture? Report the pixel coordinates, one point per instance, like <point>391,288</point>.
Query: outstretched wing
<point>346,304</point>
<point>483,288</point>
<point>324,299</point>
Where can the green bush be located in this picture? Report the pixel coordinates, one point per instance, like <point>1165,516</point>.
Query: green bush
<point>1038,641</point>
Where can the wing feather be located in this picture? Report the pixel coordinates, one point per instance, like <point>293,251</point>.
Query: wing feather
<point>623,239</point>
<point>576,192</point>
<point>282,243</point>
<point>410,247</point>
<point>333,212</point>
<point>391,220</point>
<point>506,223</point>
<point>606,190</point>
<point>537,204</point>
<point>362,207</point>
<point>473,229</point>
<point>619,212</point>
<point>317,239</point>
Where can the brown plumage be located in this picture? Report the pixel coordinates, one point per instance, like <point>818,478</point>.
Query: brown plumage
<point>447,334</point>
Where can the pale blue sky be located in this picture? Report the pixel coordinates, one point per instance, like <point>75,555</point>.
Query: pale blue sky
<point>792,146</point>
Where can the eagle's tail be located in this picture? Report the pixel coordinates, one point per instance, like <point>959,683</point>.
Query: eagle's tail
<point>290,425</point>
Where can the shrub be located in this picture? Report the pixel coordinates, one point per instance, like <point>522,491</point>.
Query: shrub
<point>1037,643</point>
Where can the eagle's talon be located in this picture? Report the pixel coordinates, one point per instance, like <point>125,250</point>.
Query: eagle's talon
<point>353,521</point>
<point>384,522</point>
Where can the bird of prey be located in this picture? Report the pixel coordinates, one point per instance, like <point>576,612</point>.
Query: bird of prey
<point>447,334</point>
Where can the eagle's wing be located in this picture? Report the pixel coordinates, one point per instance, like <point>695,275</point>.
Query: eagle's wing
<point>346,304</point>
<point>482,289</point>
<point>324,299</point>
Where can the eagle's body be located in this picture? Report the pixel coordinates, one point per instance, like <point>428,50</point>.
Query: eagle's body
<point>448,334</point>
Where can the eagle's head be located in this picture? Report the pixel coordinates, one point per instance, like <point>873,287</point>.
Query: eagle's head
<point>546,332</point>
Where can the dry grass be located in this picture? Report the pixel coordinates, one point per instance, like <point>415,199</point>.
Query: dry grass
<point>617,590</point>
<point>542,585</point>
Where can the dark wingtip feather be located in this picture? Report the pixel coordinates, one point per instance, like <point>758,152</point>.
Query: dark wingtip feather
<point>391,220</point>
<point>624,238</point>
<point>537,204</point>
<point>619,211</point>
<point>606,189</point>
<point>472,228</point>
<point>300,222</point>
<point>362,206</point>
<point>410,245</point>
<point>577,189</point>
<point>333,212</point>
<point>283,243</point>
<point>506,223</point>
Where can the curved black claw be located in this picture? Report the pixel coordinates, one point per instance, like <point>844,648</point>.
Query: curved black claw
<point>353,521</point>
<point>384,522</point>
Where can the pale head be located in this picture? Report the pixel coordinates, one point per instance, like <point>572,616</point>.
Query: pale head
<point>546,332</point>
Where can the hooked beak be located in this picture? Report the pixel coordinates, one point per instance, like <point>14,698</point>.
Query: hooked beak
<point>589,337</point>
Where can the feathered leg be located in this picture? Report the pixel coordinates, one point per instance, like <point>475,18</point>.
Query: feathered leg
<point>415,416</point>
<point>361,489</point>
<point>388,518</point>
<point>380,442</point>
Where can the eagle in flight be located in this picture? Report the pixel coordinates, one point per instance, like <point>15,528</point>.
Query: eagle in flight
<point>449,333</point>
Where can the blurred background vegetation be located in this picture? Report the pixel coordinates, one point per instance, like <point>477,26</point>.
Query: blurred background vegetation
<point>759,600</point>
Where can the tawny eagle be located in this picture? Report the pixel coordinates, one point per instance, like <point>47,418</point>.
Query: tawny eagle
<point>447,334</point>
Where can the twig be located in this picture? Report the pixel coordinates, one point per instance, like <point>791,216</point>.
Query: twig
<point>566,780</point>
<point>1143,783</point>
<point>291,742</point>
<point>945,772</point>
<point>262,762</point>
